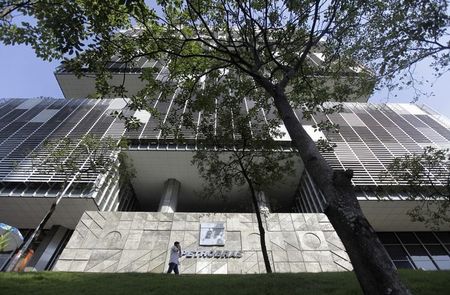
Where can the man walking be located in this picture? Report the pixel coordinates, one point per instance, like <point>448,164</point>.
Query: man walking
<point>175,254</point>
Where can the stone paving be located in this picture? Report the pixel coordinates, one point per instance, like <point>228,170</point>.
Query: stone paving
<point>139,242</point>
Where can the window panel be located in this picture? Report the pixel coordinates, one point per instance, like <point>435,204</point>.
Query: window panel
<point>425,265</point>
<point>408,238</point>
<point>437,252</point>
<point>396,252</point>
<point>427,238</point>
<point>444,237</point>
<point>388,238</point>
<point>403,264</point>
<point>417,253</point>
<point>443,265</point>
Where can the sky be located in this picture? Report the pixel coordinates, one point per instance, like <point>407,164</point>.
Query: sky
<point>23,75</point>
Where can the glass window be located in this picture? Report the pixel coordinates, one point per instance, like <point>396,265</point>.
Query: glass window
<point>418,250</point>
<point>417,253</point>
<point>388,238</point>
<point>442,264</point>
<point>425,265</point>
<point>437,252</point>
<point>444,237</point>
<point>427,238</point>
<point>396,252</point>
<point>408,238</point>
<point>420,257</point>
<point>403,264</point>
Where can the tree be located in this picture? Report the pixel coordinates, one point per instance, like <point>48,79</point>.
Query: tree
<point>400,34</point>
<point>427,178</point>
<point>285,53</point>
<point>236,155</point>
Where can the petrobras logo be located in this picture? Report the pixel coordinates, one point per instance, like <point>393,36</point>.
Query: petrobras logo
<point>212,234</point>
<point>211,254</point>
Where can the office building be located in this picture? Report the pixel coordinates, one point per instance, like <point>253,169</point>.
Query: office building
<point>104,225</point>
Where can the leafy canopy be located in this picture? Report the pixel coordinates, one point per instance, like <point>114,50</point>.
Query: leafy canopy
<point>256,45</point>
<point>427,178</point>
<point>237,155</point>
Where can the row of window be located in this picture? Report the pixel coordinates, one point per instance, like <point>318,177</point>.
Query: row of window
<point>418,250</point>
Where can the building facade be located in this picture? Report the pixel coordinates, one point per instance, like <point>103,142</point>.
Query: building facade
<point>106,222</point>
<point>104,225</point>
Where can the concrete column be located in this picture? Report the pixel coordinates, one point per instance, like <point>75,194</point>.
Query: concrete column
<point>169,198</point>
<point>263,203</point>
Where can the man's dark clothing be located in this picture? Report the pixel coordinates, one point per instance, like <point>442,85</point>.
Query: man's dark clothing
<point>174,267</point>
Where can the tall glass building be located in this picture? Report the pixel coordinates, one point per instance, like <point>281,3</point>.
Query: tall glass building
<point>104,224</point>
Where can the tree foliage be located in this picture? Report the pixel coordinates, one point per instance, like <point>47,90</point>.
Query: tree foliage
<point>398,35</point>
<point>244,146</point>
<point>427,178</point>
<point>262,40</point>
<point>236,155</point>
<point>76,157</point>
<point>226,170</point>
<point>242,152</point>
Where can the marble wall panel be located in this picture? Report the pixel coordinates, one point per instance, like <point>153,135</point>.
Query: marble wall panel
<point>139,242</point>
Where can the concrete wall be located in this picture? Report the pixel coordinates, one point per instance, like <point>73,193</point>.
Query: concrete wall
<point>139,242</point>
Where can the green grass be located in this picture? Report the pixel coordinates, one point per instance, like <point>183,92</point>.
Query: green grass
<point>138,283</point>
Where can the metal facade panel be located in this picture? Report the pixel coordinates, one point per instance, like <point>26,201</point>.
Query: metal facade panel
<point>21,134</point>
<point>370,135</point>
<point>389,131</point>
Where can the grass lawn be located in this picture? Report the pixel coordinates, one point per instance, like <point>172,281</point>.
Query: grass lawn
<point>138,283</point>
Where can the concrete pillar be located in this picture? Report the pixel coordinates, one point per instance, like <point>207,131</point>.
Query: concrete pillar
<point>169,198</point>
<point>263,203</point>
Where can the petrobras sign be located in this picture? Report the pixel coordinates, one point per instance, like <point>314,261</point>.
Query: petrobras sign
<point>211,254</point>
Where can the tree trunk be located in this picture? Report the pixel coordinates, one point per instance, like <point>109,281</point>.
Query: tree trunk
<point>262,232</point>
<point>372,265</point>
<point>375,271</point>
